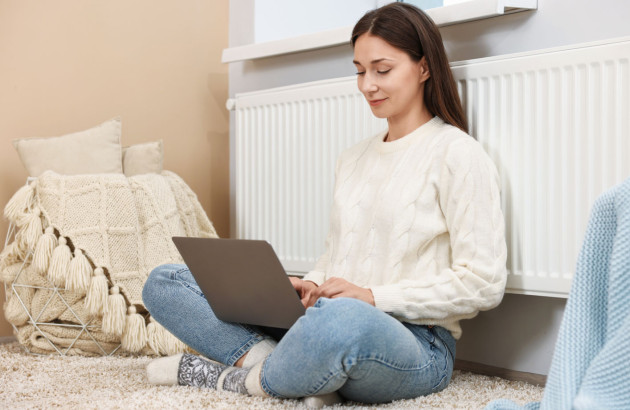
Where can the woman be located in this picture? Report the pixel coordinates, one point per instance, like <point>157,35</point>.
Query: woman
<point>416,243</point>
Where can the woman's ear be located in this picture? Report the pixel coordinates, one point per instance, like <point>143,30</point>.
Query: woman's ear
<point>424,70</point>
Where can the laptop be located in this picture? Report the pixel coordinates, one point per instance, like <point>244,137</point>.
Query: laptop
<point>242,280</point>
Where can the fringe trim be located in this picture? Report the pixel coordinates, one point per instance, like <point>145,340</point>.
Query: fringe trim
<point>19,203</point>
<point>60,263</point>
<point>46,244</point>
<point>79,273</point>
<point>162,342</point>
<point>96,296</point>
<point>114,315</point>
<point>31,229</point>
<point>52,256</point>
<point>153,338</point>
<point>134,337</point>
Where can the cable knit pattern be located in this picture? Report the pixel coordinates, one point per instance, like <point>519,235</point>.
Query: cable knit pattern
<point>418,220</point>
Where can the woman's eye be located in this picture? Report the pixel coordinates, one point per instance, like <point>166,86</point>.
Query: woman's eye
<point>360,72</point>
<point>383,71</point>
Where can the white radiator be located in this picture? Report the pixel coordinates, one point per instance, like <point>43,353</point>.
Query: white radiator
<point>556,123</point>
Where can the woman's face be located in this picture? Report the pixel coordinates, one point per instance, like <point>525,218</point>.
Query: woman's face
<point>392,83</point>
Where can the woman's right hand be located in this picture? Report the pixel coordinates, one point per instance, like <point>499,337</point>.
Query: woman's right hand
<point>304,289</point>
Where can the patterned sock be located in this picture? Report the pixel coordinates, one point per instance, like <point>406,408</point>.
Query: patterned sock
<point>163,371</point>
<point>199,372</point>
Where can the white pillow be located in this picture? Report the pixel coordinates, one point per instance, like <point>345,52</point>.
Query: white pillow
<point>93,151</point>
<point>143,158</point>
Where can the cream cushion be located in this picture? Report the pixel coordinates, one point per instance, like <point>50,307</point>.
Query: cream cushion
<point>93,151</point>
<point>143,158</point>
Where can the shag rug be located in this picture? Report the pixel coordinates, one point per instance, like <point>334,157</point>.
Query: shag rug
<point>43,382</point>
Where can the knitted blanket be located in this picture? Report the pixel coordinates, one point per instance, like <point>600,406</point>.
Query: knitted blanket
<point>590,368</point>
<point>83,249</point>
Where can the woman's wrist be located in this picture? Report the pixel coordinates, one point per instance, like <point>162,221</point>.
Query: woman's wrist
<point>370,297</point>
<point>311,282</point>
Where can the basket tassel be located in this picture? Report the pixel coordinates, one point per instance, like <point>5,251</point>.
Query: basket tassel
<point>19,203</point>
<point>162,342</point>
<point>173,345</point>
<point>114,315</point>
<point>32,228</point>
<point>79,273</point>
<point>135,336</point>
<point>60,262</point>
<point>154,337</point>
<point>44,250</point>
<point>97,293</point>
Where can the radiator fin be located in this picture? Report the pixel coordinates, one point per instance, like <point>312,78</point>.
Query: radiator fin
<point>556,124</point>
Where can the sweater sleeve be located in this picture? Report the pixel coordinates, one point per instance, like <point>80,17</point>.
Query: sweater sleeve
<point>318,273</point>
<point>468,195</point>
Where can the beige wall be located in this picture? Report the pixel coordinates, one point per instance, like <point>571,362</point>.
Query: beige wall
<point>66,65</point>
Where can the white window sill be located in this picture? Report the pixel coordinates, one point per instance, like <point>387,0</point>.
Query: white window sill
<point>442,16</point>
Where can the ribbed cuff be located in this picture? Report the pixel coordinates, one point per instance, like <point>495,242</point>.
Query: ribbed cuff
<point>388,298</point>
<point>316,277</point>
<point>259,352</point>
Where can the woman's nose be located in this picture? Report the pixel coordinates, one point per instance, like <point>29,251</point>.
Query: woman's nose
<point>367,84</point>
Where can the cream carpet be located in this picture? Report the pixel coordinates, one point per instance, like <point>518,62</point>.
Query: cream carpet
<point>38,382</point>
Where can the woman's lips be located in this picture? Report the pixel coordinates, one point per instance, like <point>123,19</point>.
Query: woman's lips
<point>375,103</point>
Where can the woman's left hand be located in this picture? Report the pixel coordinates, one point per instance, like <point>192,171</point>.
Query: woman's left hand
<point>340,288</point>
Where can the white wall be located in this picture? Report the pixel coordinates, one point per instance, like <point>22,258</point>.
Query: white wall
<point>67,65</point>
<point>520,334</point>
<point>277,19</point>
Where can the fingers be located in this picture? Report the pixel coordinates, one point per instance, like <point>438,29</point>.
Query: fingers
<point>334,287</point>
<point>338,288</point>
<point>304,289</point>
<point>310,299</point>
<point>296,282</point>
<point>306,301</point>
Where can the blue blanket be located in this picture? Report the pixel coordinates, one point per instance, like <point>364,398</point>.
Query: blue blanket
<point>591,361</point>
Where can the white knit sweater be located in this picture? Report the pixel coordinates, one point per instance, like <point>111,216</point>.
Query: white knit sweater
<point>418,221</point>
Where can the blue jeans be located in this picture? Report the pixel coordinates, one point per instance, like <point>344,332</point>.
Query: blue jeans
<point>342,345</point>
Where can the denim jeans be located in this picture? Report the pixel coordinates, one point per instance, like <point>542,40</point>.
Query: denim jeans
<point>342,345</point>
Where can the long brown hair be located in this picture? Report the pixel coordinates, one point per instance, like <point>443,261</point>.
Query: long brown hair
<point>408,28</point>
